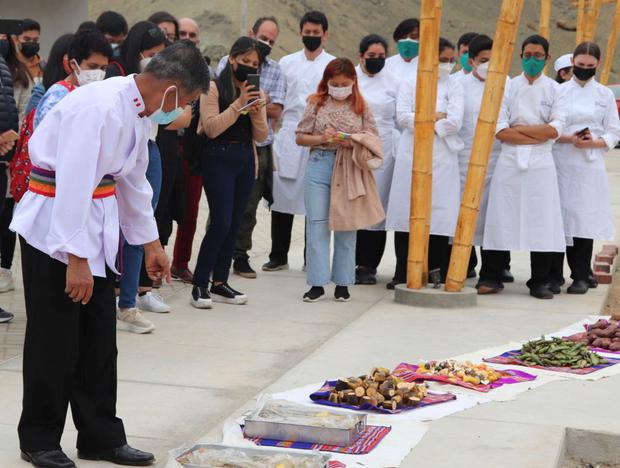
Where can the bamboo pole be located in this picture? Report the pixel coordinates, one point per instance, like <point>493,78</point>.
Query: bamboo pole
<point>501,54</point>
<point>424,134</point>
<point>545,20</point>
<point>611,45</point>
<point>581,13</point>
<point>591,21</point>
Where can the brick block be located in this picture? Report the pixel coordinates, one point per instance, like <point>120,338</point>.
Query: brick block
<point>603,257</point>
<point>610,248</point>
<point>603,278</point>
<point>602,267</point>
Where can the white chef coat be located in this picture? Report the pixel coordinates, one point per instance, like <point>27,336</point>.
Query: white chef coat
<point>94,131</point>
<point>473,89</point>
<point>379,91</point>
<point>302,79</point>
<point>523,211</point>
<point>402,70</point>
<point>446,186</point>
<point>582,176</point>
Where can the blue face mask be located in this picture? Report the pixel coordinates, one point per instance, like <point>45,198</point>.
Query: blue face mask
<point>465,62</point>
<point>160,117</point>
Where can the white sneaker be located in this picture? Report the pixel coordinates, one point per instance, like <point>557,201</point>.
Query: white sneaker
<point>133,321</point>
<point>152,302</point>
<point>6,281</point>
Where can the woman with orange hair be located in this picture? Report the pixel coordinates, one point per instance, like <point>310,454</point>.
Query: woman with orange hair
<point>340,129</point>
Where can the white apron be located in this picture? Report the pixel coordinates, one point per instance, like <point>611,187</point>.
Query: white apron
<point>523,211</point>
<point>302,79</point>
<point>445,202</point>
<point>582,175</point>
<point>380,94</point>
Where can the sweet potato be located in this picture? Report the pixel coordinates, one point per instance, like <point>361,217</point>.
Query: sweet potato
<point>615,346</point>
<point>609,331</point>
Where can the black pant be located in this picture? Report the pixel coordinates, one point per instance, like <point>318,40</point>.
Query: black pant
<point>69,357</point>
<point>439,250</point>
<point>579,257</point>
<point>401,249</point>
<point>494,262</point>
<point>167,141</point>
<point>473,259</point>
<point>281,230</point>
<point>228,176</point>
<point>369,248</point>
<point>7,237</point>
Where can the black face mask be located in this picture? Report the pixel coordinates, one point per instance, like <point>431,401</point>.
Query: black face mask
<point>242,71</point>
<point>583,74</point>
<point>264,49</point>
<point>374,65</point>
<point>4,48</point>
<point>30,49</point>
<point>311,43</point>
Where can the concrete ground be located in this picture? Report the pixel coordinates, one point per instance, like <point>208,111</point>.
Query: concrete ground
<point>199,367</point>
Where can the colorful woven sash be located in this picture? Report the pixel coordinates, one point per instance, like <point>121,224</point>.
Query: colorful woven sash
<point>44,183</point>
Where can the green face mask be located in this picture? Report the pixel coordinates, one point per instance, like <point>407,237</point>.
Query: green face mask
<point>532,66</point>
<point>408,48</point>
<point>465,62</point>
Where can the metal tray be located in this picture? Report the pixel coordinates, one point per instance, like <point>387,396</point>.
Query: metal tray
<point>340,437</point>
<point>318,460</point>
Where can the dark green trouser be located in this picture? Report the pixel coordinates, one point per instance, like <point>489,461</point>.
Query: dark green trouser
<point>262,188</point>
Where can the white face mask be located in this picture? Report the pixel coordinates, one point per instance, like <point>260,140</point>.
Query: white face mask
<point>482,70</point>
<point>114,45</point>
<point>85,77</point>
<point>340,93</point>
<point>144,62</point>
<point>445,68</point>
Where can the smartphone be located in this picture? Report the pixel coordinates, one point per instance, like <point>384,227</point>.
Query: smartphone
<point>582,133</point>
<point>343,136</point>
<point>9,135</point>
<point>253,80</point>
<point>11,26</point>
<point>250,104</point>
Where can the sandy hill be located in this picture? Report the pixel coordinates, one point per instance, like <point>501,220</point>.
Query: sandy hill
<point>350,20</point>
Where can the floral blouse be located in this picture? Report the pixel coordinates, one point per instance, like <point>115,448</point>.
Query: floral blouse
<point>337,115</point>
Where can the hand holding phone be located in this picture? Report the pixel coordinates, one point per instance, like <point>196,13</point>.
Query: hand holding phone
<point>9,135</point>
<point>584,133</point>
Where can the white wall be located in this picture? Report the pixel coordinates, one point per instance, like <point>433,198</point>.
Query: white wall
<point>57,17</point>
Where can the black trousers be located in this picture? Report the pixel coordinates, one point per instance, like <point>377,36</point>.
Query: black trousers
<point>439,250</point>
<point>495,261</point>
<point>401,249</point>
<point>69,358</point>
<point>579,258</point>
<point>7,237</point>
<point>281,230</point>
<point>370,248</point>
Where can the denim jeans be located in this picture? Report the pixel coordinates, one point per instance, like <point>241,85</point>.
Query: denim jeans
<point>317,188</point>
<point>228,177</point>
<point>132,255</point>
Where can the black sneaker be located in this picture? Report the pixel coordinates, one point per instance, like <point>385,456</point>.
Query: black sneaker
<point>224,293</point>
<point>5,316</point>
<point>541,292</point>
<point>201,299</point>
<point>314,294</point>
<point>365,275</point>
<point>554,287</point>
<point>392,284</point>
<point>272,265</point>
<point>578,287</point>
<point>241,267</point>
<point>341,294</point>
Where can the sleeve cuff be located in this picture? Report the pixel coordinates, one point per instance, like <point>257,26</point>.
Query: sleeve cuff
<point>500,127</point>
<point>75,245</point>
<point>140,234</point>
<point>610,141</point>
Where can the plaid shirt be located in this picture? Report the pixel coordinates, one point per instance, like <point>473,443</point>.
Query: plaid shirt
<point>272,82</point>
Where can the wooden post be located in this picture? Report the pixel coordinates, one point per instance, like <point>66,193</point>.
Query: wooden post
<point>424,134</point>
<point>591,21</point>
<point>611,45</point>
<point>581,14</point>
<point>545,20</point>
<point>501,54</point>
